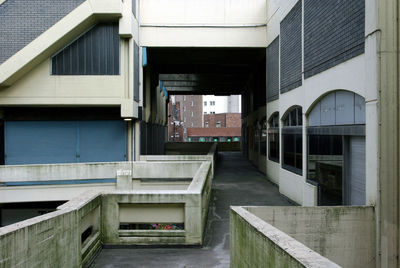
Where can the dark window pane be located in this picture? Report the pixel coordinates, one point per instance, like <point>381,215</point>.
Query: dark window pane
<point>299,151</point>
<point>263,148</point>
<point>292,152</point>
<point>274,146</point>
<point>325,165</point>
<point>288,150</point>
<point>293,117</point>
<point>299,117</point>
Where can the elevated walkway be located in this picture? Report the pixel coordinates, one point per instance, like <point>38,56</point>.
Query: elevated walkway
<point>236,182</point>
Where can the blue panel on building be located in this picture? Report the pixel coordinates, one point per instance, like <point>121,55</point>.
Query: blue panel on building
<point>45,142</point>
<point>34,142</point>
<point>102,141</point>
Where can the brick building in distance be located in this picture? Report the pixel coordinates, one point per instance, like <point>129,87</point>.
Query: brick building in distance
<point>184,111</point>
<point>188,123</point>
<point>225,127</point>
<point>223,120</point>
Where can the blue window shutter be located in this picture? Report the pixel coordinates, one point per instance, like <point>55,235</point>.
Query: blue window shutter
<point>40,142</point>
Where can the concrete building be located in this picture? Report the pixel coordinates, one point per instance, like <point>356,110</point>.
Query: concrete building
<point>222,120</point>
<point>190,113</point>
<point>224,127</point>
<point>223,134</point>
<point>221,104</point>
<point>319,85</point>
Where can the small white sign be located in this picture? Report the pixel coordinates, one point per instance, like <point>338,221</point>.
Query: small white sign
<point>124,172</point>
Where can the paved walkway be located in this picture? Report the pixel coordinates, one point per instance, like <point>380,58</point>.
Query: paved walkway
<point>236,182</point>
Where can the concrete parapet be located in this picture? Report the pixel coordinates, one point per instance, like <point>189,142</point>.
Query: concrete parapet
<point>255,243</point>
<point>210,156</point>
<point>71,236</point>
<point>187,148</point>
<point>199,148</point>
<point>52,172</point>
<point>344,235</point>
<point>54,239</point>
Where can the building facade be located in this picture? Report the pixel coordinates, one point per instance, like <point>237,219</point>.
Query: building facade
<point>319,85</point>
<point>221,104</point>
<point>187,112</point>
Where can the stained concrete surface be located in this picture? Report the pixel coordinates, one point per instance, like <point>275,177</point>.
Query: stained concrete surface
<point>236,183</point>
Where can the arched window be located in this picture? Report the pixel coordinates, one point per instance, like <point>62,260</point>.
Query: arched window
<point>336,149</point>
<point>273,138</point>
<point>292,141</point>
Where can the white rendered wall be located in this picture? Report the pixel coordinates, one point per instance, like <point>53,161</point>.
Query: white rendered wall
<point>357,75</point>
<point>221,104</point>
<point>204,23</point>
<point>234,104</point>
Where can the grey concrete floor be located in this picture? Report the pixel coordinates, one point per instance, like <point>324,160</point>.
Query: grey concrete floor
<point>236,183</point>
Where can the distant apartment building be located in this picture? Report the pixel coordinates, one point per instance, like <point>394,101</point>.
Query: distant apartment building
<point>184,111</point>
<point>221,104</point>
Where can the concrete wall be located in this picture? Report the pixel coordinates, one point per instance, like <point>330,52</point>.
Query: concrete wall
<point>384,37</point>
<point>57,182</point>
<point>53,239</point>
<point>345,235</point>
<point>256,243</point>
<point>207,23</point>
<point>190,204</point>
<point>53,182</point>
<point>187,148</point>
<point>40,87</point>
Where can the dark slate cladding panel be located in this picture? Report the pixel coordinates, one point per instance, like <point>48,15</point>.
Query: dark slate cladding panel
<point>273,70</point>
<point>21,21</point>
<point>135,71</point>
<point>96,52</point>
<point>291,50</point>
<point>333,33</point>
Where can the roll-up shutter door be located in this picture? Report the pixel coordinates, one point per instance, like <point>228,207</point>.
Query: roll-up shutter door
<point>356,169</point>
<point>46,142</point>
<point>39,142</point>
<point>102,141</point>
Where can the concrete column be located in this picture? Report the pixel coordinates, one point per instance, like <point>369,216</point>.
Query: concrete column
<point>124,179</point>
<point>389,136</point>
<point>129,141</point>
<point>137,141</point>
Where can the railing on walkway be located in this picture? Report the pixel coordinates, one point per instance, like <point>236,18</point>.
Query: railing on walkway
<point>302,236</point>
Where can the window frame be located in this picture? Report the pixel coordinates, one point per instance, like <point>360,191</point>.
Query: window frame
<point>294,128</point>
<point>273,128</point>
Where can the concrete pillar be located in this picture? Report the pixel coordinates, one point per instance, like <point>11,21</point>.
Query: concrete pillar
<point>137,140</point>
<point>388,209</point>
<point>124,179</point>
<point>129,141</point>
